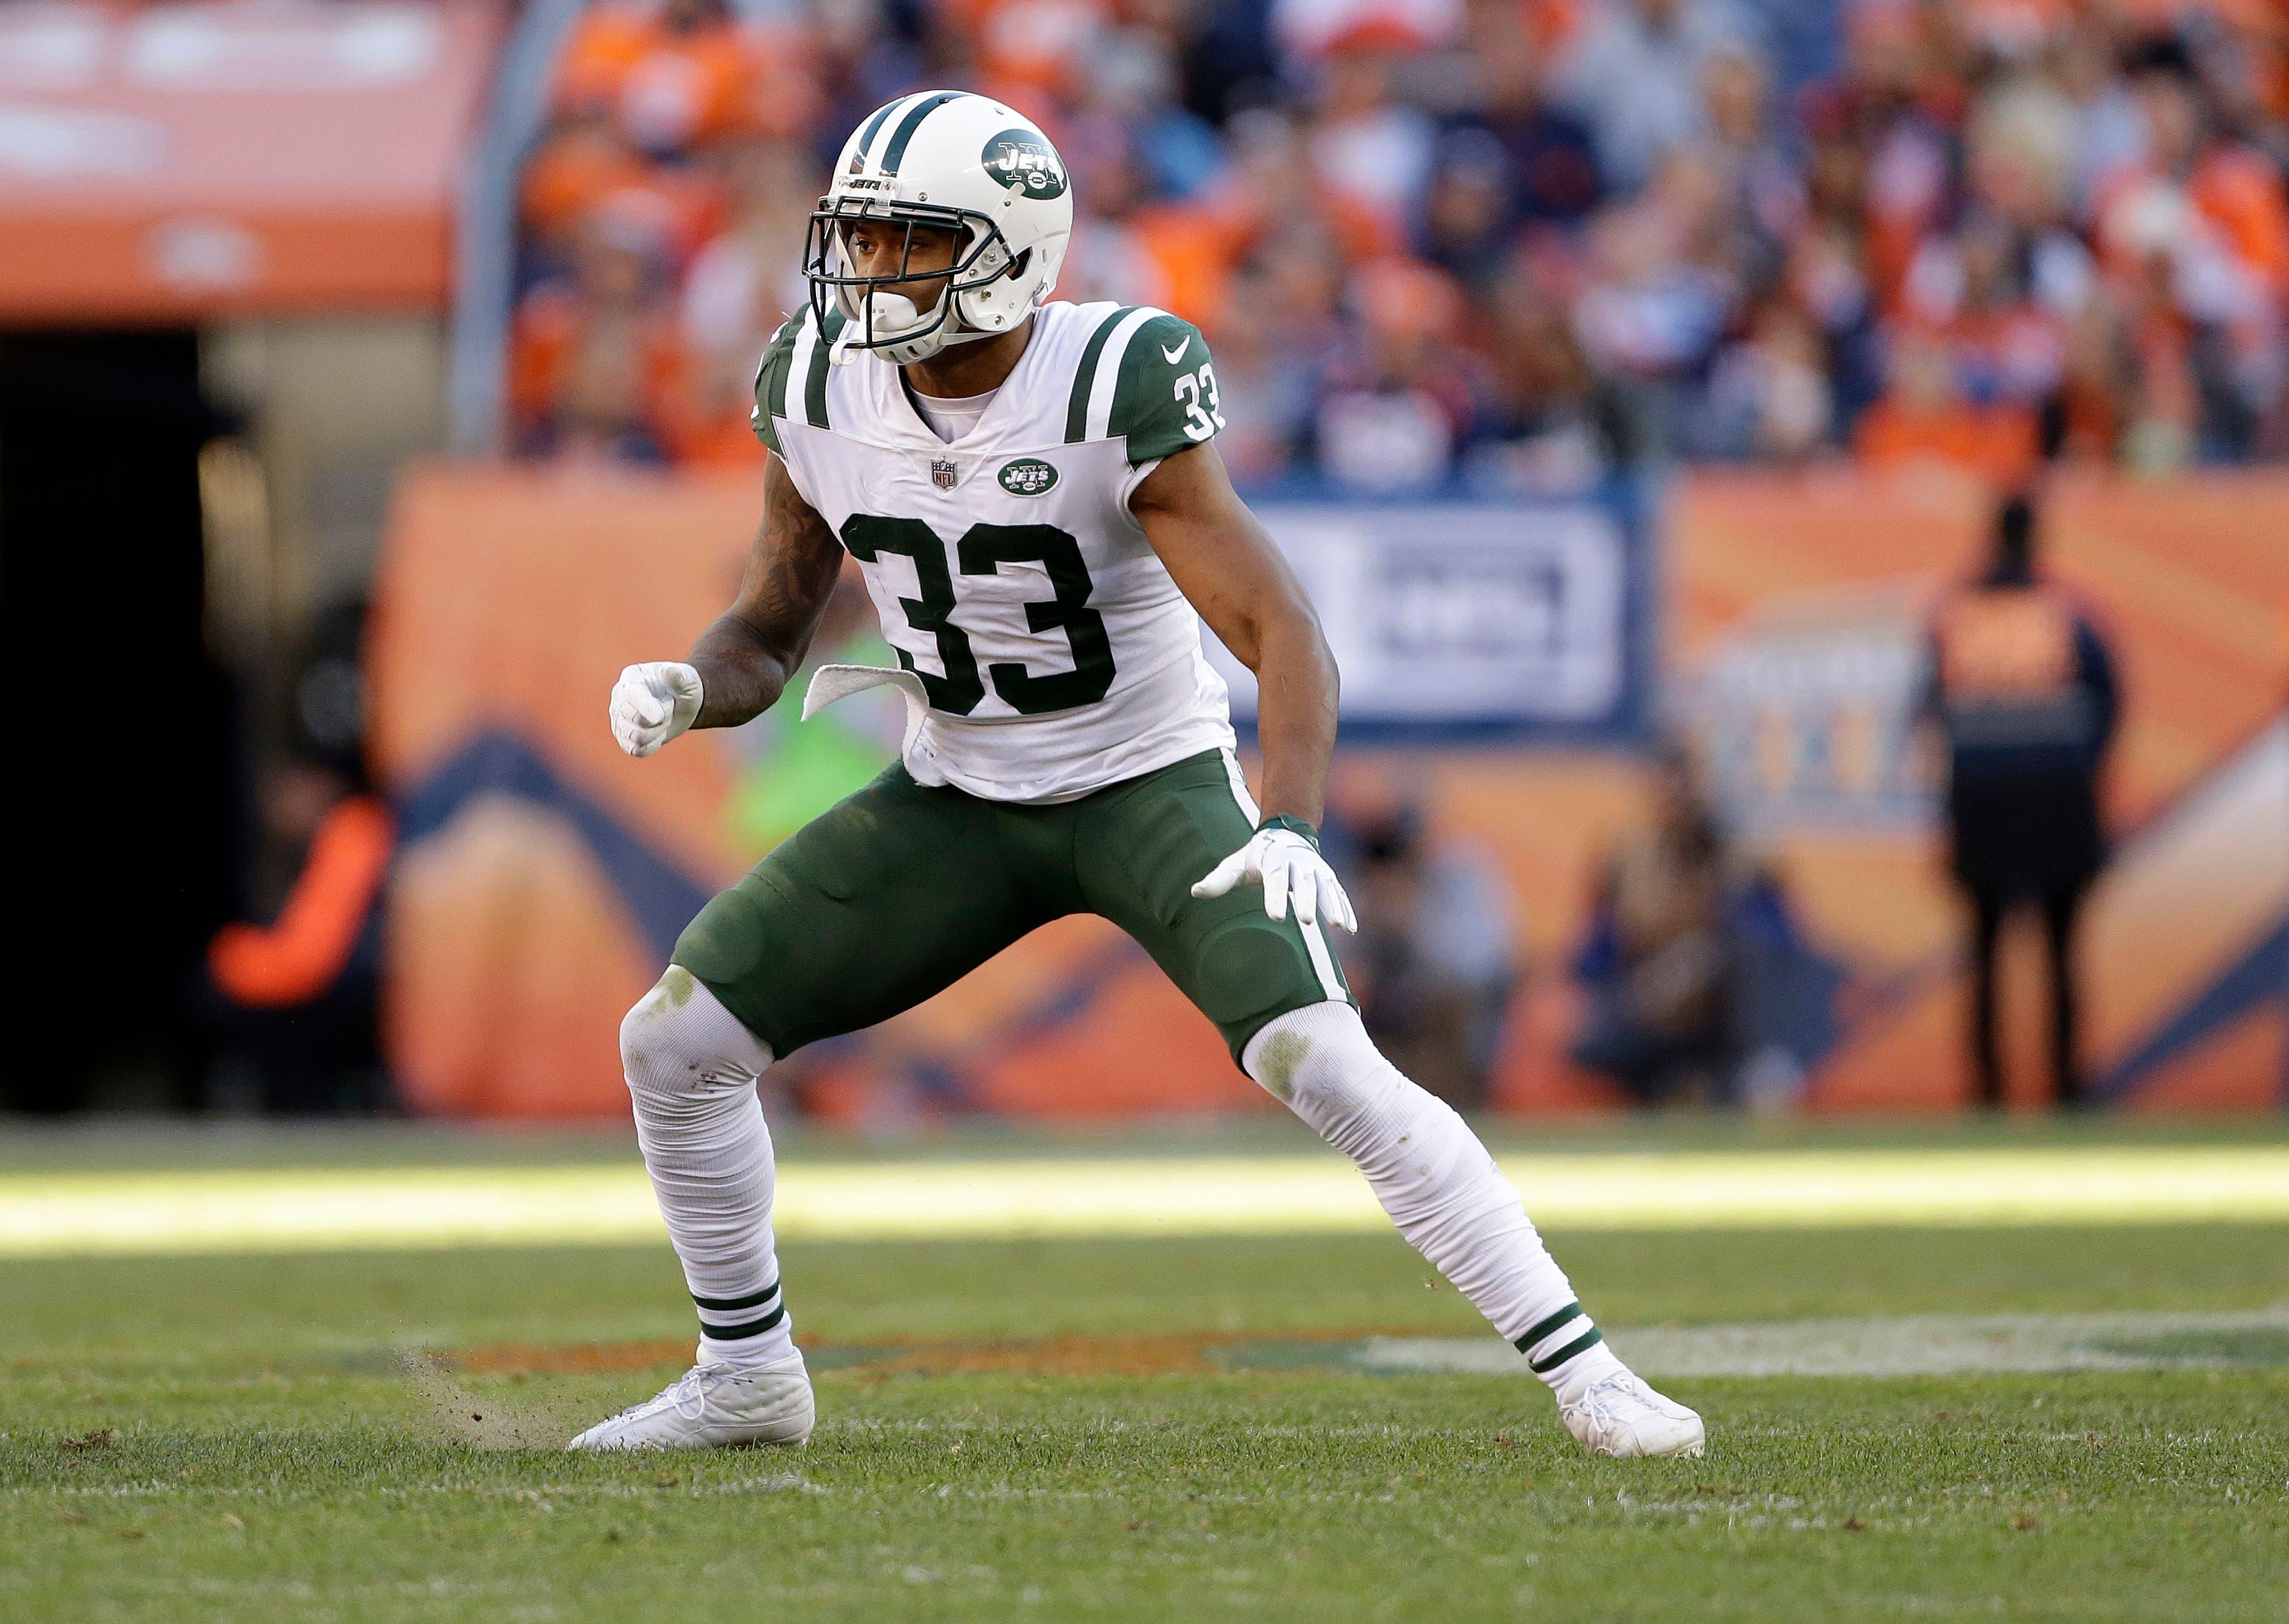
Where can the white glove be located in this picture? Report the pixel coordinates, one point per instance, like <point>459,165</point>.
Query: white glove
<point>653,703</point>
<point>1290,870</point>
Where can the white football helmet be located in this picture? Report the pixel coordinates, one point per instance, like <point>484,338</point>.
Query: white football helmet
<point>964,162</point>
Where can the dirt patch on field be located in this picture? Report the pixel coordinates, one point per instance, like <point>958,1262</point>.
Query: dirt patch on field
<point>1184,1354</point>
<point>487,1421</point>
<point>566,1358</point>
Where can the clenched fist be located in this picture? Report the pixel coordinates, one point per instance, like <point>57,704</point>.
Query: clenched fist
<point>653,703</point>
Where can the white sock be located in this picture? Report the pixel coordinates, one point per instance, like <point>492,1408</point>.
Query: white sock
<point>1437,1182</point>
<point>691,1071</point>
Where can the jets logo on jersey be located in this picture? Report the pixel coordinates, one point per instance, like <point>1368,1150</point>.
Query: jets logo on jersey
<point>942,473</point>
<point>1021,161</point>
<point>1028,476</point>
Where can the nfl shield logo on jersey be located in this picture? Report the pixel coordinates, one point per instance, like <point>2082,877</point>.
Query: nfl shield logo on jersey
<point>942,473</point>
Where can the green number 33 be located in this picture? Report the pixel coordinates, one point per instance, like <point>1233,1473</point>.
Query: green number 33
<point>1196,391</point>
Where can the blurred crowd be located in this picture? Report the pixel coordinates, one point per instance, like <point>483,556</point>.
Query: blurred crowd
<point>1495,244</point>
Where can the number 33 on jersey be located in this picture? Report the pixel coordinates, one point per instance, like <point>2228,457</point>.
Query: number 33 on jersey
<point>1056,655</point>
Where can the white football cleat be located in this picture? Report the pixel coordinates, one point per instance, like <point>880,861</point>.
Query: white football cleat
<point>715,1406</point>
<point>1617,1414</point>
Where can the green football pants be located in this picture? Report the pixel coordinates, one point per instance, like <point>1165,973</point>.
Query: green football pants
<point>901,889</point>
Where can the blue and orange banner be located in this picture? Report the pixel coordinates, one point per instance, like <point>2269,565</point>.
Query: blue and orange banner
<point>544,874</point>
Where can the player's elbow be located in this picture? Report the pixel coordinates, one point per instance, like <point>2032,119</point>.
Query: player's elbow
<point>1298,646</point>
<point>1283,633</point>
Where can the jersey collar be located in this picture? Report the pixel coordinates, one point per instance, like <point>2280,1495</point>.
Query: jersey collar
<point>905,424</point>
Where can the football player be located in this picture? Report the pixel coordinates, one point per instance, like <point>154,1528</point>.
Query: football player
<point>1032,492</point>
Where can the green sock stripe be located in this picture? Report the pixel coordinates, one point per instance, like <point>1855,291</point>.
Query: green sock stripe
<point>754,1327</point>
<point>735,1305</point>
<point>1580,1344</point>
<point>1565,1316</point>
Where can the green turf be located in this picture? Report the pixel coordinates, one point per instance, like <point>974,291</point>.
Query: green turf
<point>268,1457</point>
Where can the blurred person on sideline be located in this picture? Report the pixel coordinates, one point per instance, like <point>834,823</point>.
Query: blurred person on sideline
<point>292,1003</point>
<point>1700,986</point>
<point>2022,690</point>
<point>1433,964</point>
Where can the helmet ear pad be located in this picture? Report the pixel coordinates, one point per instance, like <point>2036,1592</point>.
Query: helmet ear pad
<point>1016,288</point>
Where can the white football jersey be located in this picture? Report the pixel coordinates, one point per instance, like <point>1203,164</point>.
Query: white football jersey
<point>1055,654</point>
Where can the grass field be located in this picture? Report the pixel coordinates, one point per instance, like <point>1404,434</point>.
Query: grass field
<point>1269,1425</point>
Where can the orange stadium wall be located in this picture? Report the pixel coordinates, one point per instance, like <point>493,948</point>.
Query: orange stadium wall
<point>544,874</point>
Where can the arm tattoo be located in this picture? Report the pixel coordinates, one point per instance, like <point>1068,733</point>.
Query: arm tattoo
<point>747,657</point>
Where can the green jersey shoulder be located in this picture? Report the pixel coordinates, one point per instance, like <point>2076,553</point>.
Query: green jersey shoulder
<point>1144,378</point>
<point>1141,377</point>
<point>792,380</point>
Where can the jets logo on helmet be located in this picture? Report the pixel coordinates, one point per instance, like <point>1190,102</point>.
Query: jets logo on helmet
<point>962,163</point>
<point>1025,162</point>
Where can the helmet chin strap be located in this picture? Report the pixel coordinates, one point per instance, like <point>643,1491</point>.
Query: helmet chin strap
<point>896,312</point>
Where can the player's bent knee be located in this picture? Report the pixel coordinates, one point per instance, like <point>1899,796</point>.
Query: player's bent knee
<point>1247,972</point>
<point>678,1041</point>
<point>1319,1062</point>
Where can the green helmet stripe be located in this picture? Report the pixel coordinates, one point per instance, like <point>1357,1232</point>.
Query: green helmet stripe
<point>911,122</point>
<point>882,116</point>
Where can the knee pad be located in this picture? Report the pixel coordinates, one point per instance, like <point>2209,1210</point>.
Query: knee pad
<point>1319,1062</point>
<point>678,1042</point>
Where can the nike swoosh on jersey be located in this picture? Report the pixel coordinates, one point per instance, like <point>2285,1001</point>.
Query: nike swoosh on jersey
<point>1172,357</point>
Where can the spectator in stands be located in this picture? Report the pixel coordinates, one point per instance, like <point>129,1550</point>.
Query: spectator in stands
<point>1433,964</point>
<point>1281,317</point>
<point>1660,294</point>
<point>1553,424</point>
<point>1768,398</point>
<point>741,285</point>
<point>1550,176</point>
<point>597,365</point>
<point>2015,232</point>
<point>1394,412</point>
<point>2198,231</point>
<point>2022,691</point>
<point>584,159</point>
<point>1466,227</point>
<point>673,75</point>
<point>1635,74</point>
<point>1926,416</point>
<point>1370,146</point>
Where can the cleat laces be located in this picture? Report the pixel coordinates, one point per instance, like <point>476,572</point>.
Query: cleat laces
<point>687,1397</point>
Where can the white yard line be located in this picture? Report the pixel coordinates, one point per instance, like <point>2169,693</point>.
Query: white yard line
<point>278,1210</point>
<point>1918,1345</point>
